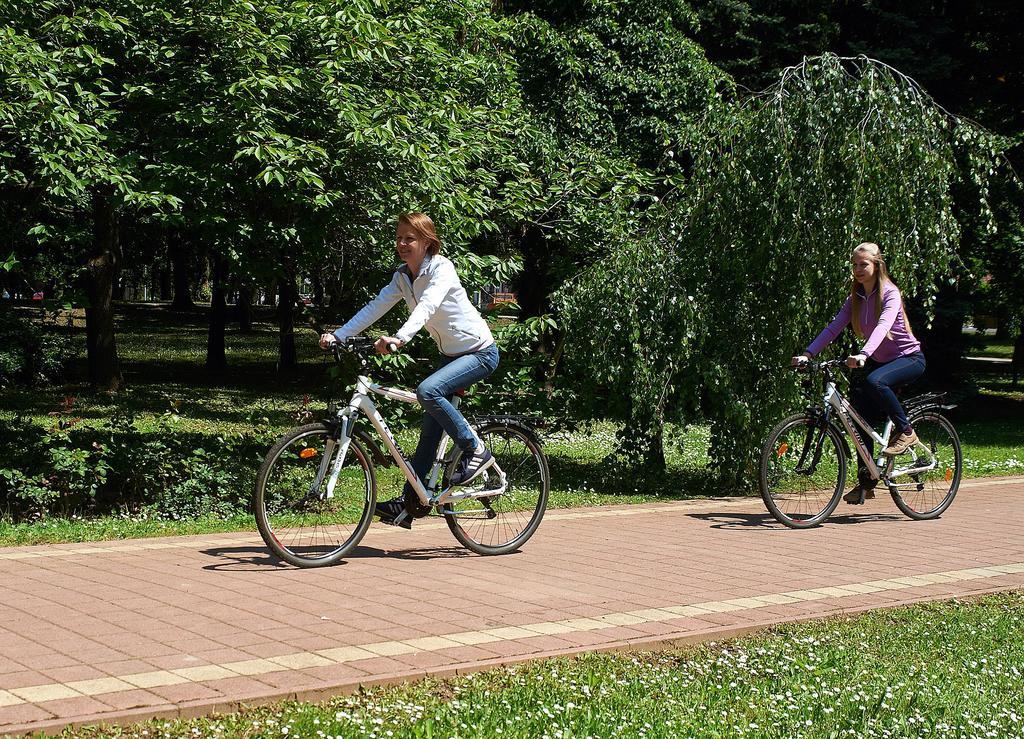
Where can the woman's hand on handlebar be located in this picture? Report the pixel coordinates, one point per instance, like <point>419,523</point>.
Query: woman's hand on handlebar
<point>387,344</point>
<point>327,340</point>
<point>799,360</point>
<point>856,360</point>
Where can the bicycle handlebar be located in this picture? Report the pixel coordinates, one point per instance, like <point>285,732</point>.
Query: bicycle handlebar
<point>361,346</point>
<point>813,366</point>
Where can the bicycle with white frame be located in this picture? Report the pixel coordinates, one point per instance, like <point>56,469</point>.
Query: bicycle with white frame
<point>804,459</point>
<point>316,491</point>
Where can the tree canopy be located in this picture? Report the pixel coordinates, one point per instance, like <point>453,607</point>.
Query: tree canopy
<point>676,236</point>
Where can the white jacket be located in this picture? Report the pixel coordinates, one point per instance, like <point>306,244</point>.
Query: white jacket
<point>437,300</point>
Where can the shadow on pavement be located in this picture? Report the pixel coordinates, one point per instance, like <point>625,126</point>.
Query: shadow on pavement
<point>730,520</point>
<point>845,518</point>
<point>738,520</point>
<point>449,552</point>
<point>245,559</point>
<point>255,558</point>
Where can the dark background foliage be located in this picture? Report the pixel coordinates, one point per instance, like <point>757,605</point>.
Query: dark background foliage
<point>609,161</point>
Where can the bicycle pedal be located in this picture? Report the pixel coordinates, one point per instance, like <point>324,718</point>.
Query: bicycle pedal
<point>403,521</point>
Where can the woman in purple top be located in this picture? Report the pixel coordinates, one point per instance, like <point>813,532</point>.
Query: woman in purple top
<point>890,354</point>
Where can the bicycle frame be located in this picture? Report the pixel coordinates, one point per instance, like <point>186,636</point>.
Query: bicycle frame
<point>361,402</point>
<point>852,420</point>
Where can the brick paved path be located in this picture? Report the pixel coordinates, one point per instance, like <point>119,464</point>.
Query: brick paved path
<point>179,626</point>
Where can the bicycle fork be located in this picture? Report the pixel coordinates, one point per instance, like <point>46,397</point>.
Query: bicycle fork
<point>343,440</point>
<point>813,443</point>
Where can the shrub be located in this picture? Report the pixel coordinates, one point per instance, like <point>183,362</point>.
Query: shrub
<point>73,468</point>
<point>28,356</point>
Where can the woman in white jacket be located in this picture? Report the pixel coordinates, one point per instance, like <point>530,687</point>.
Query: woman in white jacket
<point>436,299</point>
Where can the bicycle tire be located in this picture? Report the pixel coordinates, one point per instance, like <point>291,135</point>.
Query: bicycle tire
<point>789,504</point>
<point>498,525</point>
<point>916,498</point>
<point>304,529</point>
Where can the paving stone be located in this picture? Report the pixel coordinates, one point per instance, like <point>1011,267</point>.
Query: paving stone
<point>159,626</point>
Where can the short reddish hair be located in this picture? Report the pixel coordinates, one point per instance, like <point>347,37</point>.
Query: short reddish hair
<point>424,228</point>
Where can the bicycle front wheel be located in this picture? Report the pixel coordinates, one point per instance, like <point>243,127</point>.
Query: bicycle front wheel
<point>502,523</point>
<point>802,472</point>
<point>303,519</point>
<point>927,494</point>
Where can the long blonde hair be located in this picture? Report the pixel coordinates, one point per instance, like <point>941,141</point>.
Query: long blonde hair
<point>874,253</point>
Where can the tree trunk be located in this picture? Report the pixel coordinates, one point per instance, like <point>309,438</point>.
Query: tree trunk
<point>284,302</point>
<point>532,287</point>
<point>334,289</point>
<point>286,319</point>
<point>216,358</point>
<point>943,342</point>
<point>1003,324</point>
<point>1017,361</point>
<point>245,298</point>
<point>179,254</point>
<point>164,282</point>
<point>318,289</point>
<point>204,276</point>
<point>100,272</point>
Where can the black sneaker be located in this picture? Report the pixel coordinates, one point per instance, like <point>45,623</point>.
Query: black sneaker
<point>413,505</point>
<point>471,465</point>
<point>393,513</point>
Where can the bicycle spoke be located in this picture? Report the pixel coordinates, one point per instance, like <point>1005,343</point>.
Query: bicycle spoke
<point>799,491</point>
<point>927,494</point>
<point>502,522</point>
<point>295,516</point>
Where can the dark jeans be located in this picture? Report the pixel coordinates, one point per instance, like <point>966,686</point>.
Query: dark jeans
<point>435,394</point>
<point>873,398</point>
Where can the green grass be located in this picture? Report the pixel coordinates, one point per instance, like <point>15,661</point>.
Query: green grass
<point>162,355</point>
<point>107,528</point>
<point>988,346</point>
<point>991,427</point>
<point>939,669</point>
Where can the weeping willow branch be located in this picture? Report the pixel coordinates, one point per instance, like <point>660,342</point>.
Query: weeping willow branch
<point>742,266</point>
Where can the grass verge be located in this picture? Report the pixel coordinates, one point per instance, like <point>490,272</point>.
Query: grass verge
<point>937,669</point>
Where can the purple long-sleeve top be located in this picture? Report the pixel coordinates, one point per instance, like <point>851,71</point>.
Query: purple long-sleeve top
<point>889,335</point>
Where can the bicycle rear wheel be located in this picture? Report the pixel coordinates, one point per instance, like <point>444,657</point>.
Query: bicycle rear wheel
<point>502,523</point>
<point>802,472</point>
<point>298,519</point>
<point>928,494</point>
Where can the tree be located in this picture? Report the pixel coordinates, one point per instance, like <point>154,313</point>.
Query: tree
<point>965,54</point>
<point>68,149</point>
<point>635,92</point>
<point>839,151</point>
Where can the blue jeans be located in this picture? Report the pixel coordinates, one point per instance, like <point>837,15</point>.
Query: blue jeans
<point>873,398</point>
<point>435,394</point>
